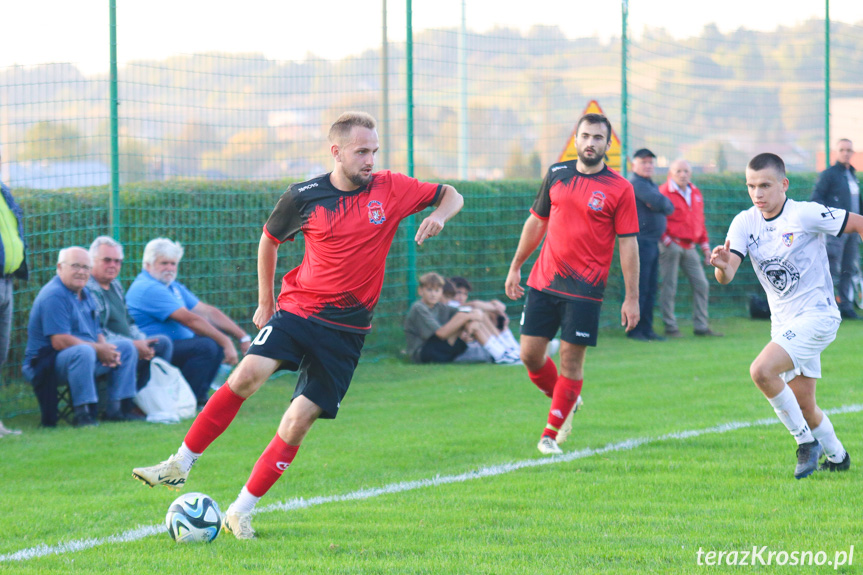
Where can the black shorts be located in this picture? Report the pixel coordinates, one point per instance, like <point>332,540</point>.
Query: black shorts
<point>544,313</point>
<point>325,357</point>
<point>437,350</point>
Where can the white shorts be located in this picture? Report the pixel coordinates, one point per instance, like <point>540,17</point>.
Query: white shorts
<point>804,338</point>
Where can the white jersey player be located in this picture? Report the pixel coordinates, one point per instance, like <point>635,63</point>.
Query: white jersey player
<point>785,241</point>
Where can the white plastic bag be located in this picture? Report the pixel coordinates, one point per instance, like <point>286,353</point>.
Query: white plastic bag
<point>167,397</point>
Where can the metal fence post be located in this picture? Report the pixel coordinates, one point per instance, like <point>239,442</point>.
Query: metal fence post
<point>409,54</point>
<point>114,212</point>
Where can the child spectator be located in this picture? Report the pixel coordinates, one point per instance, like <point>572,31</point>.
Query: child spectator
<point>436,332</point>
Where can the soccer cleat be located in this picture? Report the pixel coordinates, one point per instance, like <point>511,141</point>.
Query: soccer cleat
<point>240,524</point>
<point>566,428</point>
<point>509,358</point>
<point>843,465</point>
<point>167,473</point>
<point>548,446</point>
<point>807,459</point>
<point>552,347</point>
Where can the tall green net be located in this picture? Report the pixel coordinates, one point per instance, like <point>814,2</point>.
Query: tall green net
<point>208,141</point>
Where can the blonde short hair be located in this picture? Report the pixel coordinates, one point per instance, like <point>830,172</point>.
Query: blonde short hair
<point>341,128</point>
<point>431,280</point>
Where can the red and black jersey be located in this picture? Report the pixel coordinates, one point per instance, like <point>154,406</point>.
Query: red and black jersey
<point>584,212</point>
<point>348,236</point>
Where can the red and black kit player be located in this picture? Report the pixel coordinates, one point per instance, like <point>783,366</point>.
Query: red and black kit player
<point>581,207</point>
<point>348,218</point>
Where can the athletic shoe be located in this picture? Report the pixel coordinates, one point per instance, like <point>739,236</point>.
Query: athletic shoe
<point>167,473</point>
<point>553,347</point>
<point>509,358</point>
<point>240,524</point>
<point>807,459</point>
<point>673,332</point>
<point>566,428</point>
<point>841,466</point>
<point>548,446</point>
<point>6,431</point>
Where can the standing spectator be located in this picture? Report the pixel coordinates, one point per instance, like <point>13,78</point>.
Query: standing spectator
<point>13,259</point>
<point>160,304</point>
<point>64,327</point>
<point>107,255</point>
<point>652,207</point>
<point>838,187</point>
<point>685,235</point>
<point>349,218</point>
<point>581,207</point>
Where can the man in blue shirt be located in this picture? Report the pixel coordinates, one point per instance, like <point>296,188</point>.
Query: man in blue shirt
<point>161,305</point>
<point>64,320</point>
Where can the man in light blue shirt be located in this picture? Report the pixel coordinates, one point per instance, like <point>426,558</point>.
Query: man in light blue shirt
<point>63,321</point>
<point>160,304</point>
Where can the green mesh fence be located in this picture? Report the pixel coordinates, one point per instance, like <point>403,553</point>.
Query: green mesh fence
<point>207,142</point>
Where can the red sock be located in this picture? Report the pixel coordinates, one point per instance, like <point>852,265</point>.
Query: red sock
<point>214,419</point>
<point>566,392</point>
<point>545,378</point>
<point>271,464</point>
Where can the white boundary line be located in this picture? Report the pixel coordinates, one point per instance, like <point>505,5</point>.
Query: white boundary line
<point>626,445</point>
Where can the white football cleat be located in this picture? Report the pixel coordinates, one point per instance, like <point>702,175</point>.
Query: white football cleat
<point>167,473</point>
<point>240,524</point>
<point>548,446</point>
<point>566,428</point>
<point>552,347</point>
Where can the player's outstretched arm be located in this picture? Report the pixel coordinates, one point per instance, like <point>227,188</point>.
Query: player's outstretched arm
<point>449,204</point>
<point>724,262</point>
<point>629,264</point>
<point>531,236</point>
<point>268,253</point>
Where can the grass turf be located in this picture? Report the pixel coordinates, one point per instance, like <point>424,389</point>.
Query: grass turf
<point>647,509</point>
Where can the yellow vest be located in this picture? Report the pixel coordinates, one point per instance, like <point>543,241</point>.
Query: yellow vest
<point>13,246</point>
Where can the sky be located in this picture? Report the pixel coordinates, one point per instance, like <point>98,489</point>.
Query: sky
<point>39,31</point>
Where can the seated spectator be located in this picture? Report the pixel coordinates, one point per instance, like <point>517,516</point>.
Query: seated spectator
<point>495,310</point>
<point>64,327</point>
<point>161,305</point>
<point>107,256</point>
<point>436,332</point>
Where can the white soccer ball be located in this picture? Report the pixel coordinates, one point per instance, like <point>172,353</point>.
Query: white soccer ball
<point>193,518</point>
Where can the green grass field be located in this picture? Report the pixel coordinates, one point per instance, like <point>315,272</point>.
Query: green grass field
<point>606,506</point>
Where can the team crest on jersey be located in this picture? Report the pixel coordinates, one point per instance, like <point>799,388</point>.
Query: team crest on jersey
<point>597,201</point>
<point>788,239</point>
<point>781,274</point>
<point>376,212</point>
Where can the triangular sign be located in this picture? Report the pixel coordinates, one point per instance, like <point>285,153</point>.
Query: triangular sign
<point>612,157</point>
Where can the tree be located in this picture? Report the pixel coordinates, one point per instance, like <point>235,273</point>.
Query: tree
<point>52,141</point>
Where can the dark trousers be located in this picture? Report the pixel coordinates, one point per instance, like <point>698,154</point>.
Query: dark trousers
<point>199,359</point>
<point>648,285</point>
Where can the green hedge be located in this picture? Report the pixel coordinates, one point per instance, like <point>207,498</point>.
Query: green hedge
<point>219,224</point>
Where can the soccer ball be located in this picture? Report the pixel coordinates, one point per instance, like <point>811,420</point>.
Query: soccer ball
<point>193,518</point>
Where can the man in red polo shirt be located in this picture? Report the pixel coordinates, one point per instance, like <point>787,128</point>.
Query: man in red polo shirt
<point>684,245</point>
<point>581,208</point>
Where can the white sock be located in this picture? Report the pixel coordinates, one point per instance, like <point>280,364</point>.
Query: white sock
<point>788,410</point>
<point>827,438</point>
<point>509,340</point>
<point>187,457</point>
<point>245,502</point>
<point>496,348</point>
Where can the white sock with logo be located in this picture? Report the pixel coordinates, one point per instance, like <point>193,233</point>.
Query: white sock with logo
<point>187,457</point>
<point>825,435</point>
<point>496,348</point>
<point>245,502</point>
<point>788,410</point>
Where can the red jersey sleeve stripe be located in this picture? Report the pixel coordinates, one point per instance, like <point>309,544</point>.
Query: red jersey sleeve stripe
<point>274,238</point>
<point>537,215</point>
